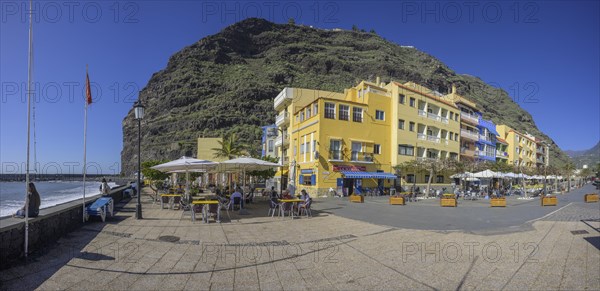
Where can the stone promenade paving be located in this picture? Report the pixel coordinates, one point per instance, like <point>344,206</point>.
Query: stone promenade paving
<point>325,252</point>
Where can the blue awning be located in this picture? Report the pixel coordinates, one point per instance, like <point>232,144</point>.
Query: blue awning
<point>367,175</point>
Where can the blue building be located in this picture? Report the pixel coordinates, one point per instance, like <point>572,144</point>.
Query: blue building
<point>486,146</point>
<point>269,136</point>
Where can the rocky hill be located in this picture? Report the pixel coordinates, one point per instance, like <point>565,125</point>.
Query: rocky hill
<point>227,82</point>
<point>589,157</point>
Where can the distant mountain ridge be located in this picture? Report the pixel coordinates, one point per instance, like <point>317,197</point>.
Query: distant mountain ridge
<point>588,157</point>
<point>226,83</point>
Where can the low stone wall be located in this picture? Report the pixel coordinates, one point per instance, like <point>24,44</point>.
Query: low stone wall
<point>45,229</point>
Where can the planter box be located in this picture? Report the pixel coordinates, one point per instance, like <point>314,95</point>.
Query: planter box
<point>498,202</point>
<point>589,198</point>
<point>448,202</point>
<point>397,200</point>
<point>357,198</point>
<point>549,201</point>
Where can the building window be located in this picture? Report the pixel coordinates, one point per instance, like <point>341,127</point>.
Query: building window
<point>426,179</point>
<point>401,98</point>
<point>301,148</point>
<point>456,137</point>
<point>453,156</point>
<point>439,179</point>
<point>315,109</point>
<point>307,147</point>
<point>301,116</point>
<point>406,150</point>
<point>270,146</point>
<point>357,148</point>
<point>330,110</point>
<point>308,112</point>
<point>411,126</point>
<point>344,112</point>
<point>335,147</point>
<point>377,149</point>
<point>451,115</point>
<point>401,124</point>
<point>412,102</point>
<point>357,114</point>
<point>410,178</point>
<point>451,136</point>
<point>379,115</point>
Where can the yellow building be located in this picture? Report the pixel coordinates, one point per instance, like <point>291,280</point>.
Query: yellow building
<point>205,149</point>
<point>522,147</point>
<point>428,127</point>
<point>354,139</point>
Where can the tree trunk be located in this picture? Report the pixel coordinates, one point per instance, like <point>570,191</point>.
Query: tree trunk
<point>429,182</point>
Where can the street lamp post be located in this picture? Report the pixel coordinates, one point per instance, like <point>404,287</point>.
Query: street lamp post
<point>138,109</point>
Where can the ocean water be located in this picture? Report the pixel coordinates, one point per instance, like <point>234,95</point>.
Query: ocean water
<point>12,194</point>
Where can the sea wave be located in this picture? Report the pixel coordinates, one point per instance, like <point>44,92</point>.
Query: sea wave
<point>54,197</point>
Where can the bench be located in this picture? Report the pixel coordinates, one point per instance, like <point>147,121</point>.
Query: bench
<point>101,207</point>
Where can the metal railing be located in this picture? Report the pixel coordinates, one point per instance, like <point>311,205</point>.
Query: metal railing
<point>469,117</point>
<point>468,134</point>
<point>361,157</point>
<point>282,118</point>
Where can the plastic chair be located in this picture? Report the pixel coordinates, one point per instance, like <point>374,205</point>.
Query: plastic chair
<point>305,208</point>
<point>164,200</point>
<point>273,206</point>
<point>176,201</point>
<point>213,209</point>
<point>237,201</point>
<point>187,209</point>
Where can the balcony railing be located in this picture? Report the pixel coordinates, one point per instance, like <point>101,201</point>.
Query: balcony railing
<point>540,150</point>
<point>444,141</point>
<point>468,134</point>
<point>283,98</point>
<point>430,138</point>
<point>469,117</point>
<point>540,161</point>
<point>424,159</point>
<point>485,137</point>
<point>433,138</point>
<point>467,152</point>
<point>361,157</point>
<point>376,91</point>
<point>444,120</point>
<point>282,118</point>
<point>501,154</point>
<point>335,155</point>
<point>422,113</point>
<point>279,142</point>
<point>433,116</point>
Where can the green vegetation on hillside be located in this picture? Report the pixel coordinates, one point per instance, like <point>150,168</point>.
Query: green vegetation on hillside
<point>225,83</point>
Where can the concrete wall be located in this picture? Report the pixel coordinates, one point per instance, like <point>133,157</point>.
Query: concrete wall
<point>45,229</point>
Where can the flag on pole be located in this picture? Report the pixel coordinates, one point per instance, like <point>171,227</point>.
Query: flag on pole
<point>88,89</point>
<point>88,101</point>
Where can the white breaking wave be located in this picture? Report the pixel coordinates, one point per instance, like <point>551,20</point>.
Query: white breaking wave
<point>52,198</point>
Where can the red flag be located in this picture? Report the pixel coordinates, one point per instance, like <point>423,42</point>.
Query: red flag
<point>88,89</point>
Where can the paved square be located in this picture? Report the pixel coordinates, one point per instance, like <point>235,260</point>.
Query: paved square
<point>326,251</point>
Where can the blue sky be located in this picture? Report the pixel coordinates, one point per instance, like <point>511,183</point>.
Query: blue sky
<point>545,54</point>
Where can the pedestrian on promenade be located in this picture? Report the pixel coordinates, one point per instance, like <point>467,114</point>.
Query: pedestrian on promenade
<point>33,198</point>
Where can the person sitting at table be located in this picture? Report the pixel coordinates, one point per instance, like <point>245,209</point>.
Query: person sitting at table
<point>305,197</point>
<point>237,193</point>
<point>286,195</point>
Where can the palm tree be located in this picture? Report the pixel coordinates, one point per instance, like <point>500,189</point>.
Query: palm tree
<point>568,170</point>
<point>230,148</point>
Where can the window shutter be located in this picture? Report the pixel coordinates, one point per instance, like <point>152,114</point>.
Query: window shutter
<point>301,180</point>
<point>313,179</point>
